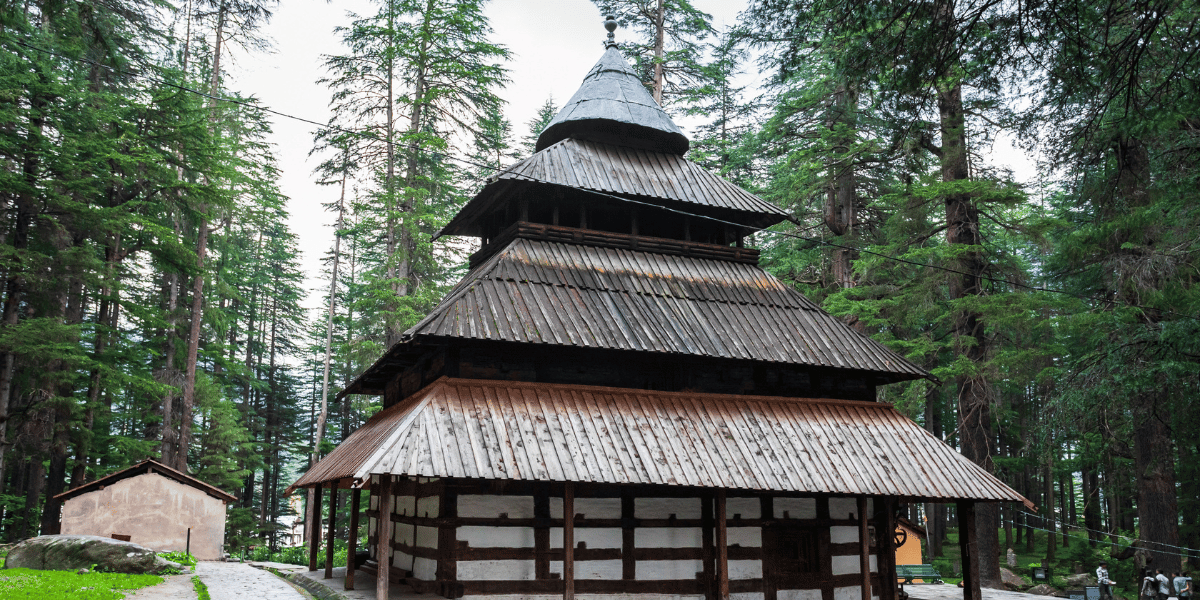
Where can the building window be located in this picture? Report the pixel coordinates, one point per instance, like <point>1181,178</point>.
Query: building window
<point>796,550</point>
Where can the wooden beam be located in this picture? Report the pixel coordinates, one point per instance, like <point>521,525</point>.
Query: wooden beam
<point>333,495</point>
<point>569,540</point>
<point>864,548</point>
<point>969,544</point>
<point>314,528</point>
<point>722,549</point>
<point>383,535</point>
<point>352,540</point>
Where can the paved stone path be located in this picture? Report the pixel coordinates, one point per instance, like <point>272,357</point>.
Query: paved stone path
<point>953,592</point>
<point>364,586</point>
<point>240,581</point>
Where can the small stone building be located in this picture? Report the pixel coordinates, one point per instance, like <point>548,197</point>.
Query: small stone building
<point>154,505</point>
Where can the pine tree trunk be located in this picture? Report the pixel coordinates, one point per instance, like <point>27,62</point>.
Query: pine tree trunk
<point>1157,508</point>
<point>25,210</point>
<point>1048,481</point>
<point>659,37</point>
<point>197,310</point>
<point>974,393</point>
<point>1091,503</point>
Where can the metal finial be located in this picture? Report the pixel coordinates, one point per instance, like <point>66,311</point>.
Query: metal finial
<point>610,23</point>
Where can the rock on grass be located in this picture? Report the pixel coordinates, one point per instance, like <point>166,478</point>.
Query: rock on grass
<point>74,552</point>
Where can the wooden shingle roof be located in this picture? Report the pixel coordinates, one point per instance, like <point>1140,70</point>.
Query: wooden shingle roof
<point>658,177</point>
<point>554,432</point>
<point>543,292</point>
<point>611,104</point>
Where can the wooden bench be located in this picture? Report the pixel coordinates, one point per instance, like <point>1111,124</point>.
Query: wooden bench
<point>910,572</point>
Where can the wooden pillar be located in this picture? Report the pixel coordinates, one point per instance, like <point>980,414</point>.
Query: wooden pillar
<point>864,548</point>
<point>333,494</point>
<point>722,549</point>
<point>383,535</point>
<point>569,540</point>
<point>314,528</point>
<point>352,540</point>
<point>885,547</point>
<point>969,543</point>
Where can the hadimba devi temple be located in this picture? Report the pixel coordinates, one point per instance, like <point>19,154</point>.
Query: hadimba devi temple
<point>616,401</point>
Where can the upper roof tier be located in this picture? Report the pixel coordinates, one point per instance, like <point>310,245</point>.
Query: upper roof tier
<point>657,177</point>
<point>613,106</point>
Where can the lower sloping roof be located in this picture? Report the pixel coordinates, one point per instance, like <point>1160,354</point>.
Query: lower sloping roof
<point>147,466</point>
<point>550,432</point>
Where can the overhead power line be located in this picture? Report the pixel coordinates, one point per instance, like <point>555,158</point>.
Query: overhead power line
<point>1108,533</point>
<point>1193,551</point>
<point>330,126</point>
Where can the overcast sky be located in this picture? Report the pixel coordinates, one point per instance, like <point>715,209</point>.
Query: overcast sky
<point>554,44</point>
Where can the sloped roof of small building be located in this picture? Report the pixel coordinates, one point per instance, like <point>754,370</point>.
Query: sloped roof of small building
<point>662,178</point>
<point>543,292</point>
<point>612,104</point>
<point>147,466</point>
<point>555,432</point>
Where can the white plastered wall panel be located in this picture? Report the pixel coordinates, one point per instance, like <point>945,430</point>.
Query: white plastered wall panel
<point>598,508</point>
<point>798,595</point>
<point>406,505</point>
<point>747,596</point>
<point>425,569</point>
<point>745,569</point>
<point>488,570</point>
<point>847,508</point>
<point>605,570</point>
<point>853,592</point>
<point>795,508</point>
<point>665,508</point>
<point>746,537</point>
<point>478,536</point>
<point>592,537</point>
<point>659,570</point>
<point>474,506</point>
<point>845,565</point>
<point>843,534</point>
<point>668,537</point>
<point>746,508</point>
<point>428,506</point>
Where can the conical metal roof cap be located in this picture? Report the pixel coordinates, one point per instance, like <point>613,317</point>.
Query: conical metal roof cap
<point>612,106</point>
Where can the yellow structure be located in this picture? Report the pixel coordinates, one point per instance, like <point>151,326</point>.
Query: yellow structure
<point>909,551</point>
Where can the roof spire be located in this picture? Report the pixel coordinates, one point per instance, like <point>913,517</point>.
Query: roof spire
<point>610,23</point>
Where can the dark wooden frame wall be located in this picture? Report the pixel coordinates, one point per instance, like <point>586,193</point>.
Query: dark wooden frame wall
<point>711,582</point>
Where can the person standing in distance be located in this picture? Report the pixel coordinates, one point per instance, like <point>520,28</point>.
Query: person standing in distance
<point>1103,581</point>
<point>1164,585</point>
<point>1183,586</point>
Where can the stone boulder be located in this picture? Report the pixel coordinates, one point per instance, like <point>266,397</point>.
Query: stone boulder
<point>1011,581</point>
<point>1045,589</point>
<point>74,552</point>
<point>1080,580</point>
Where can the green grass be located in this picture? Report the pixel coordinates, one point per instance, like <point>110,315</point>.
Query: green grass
<point>22,584</point>
<point>182,558</point>
<point>201,589</point>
